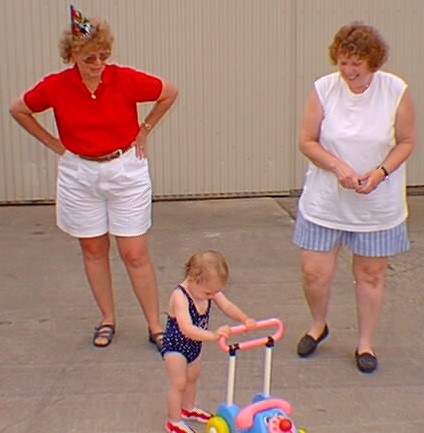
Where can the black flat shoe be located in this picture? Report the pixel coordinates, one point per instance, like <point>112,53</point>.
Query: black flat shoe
<point>366,362</point>
<point>307,344</point>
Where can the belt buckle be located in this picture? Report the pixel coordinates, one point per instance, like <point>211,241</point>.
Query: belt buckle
<point>114,155</point>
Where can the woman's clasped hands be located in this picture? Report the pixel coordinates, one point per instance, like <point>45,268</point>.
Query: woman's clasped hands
<point>362,184</point>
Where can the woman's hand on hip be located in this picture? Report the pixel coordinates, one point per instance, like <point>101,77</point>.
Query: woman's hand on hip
<point>140,145</point>
<point>56,145</point>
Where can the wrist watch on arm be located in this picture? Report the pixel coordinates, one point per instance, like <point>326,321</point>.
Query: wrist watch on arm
<point>384,170</point>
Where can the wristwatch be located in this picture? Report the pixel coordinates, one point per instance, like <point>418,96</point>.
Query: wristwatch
<point>386,173</point>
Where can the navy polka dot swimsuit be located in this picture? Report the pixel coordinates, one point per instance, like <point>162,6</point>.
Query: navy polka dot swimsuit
<point>175,341</point>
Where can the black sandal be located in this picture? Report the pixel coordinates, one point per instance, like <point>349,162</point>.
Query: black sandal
<point>105,332</point>
<point>156,339</point>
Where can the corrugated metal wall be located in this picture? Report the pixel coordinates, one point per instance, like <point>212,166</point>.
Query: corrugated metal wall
<point>243,67</point>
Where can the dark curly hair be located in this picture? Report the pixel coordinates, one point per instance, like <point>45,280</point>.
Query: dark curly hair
<point>364,41</point>
<point>101,38</point>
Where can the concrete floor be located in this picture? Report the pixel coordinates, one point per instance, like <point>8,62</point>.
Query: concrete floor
<point>53,381</point>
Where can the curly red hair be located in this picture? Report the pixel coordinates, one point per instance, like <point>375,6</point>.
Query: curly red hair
<point>364,41</point>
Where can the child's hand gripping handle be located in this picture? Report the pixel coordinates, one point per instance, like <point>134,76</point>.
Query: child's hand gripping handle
<point>261,341</point>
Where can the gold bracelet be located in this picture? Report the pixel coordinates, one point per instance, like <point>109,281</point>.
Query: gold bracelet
<point>147,126</point>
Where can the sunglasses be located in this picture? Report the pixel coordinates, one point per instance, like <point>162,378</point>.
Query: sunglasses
<point>90,59</point>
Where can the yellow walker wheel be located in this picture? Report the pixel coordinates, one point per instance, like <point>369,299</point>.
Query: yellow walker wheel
<point>217,424</point>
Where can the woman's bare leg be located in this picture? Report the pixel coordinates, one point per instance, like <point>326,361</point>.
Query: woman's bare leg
<point>370,278</point>
<point>95,252</point>
<point>317,271</point>
<point>134,254</point>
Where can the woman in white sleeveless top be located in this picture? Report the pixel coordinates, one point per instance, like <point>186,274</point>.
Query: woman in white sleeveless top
<point>357,131</point>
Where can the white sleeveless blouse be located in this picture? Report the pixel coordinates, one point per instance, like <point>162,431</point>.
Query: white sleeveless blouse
<point>359,129</point>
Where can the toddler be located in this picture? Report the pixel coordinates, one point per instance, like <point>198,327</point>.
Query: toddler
<point>206,276</point>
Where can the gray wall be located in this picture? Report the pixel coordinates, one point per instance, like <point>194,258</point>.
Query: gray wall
<point>243,67</point>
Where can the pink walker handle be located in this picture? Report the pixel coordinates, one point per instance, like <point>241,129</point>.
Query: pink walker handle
<point>261,341</point>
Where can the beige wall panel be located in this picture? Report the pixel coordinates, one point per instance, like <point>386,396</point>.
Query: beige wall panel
<point>243,68</point>
<point>225,136</point>
<point>27,52</point>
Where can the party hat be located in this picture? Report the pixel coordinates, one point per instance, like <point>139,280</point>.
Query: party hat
<point>81,27</point>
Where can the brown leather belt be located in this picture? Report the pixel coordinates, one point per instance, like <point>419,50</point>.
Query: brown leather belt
<point>109,157</point>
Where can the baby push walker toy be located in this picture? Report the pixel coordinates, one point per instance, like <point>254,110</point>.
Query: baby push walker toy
<point>265,414</point>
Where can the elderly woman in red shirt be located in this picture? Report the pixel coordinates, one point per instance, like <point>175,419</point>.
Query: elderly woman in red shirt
<point>104,186</point>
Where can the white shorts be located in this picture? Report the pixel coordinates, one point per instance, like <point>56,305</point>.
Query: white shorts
<point>94,198</point>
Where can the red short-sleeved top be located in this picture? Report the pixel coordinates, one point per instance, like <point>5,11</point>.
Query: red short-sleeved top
<point>95,127</point>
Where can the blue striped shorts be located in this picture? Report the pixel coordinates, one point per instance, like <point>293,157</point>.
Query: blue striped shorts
<point>379,243</point>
